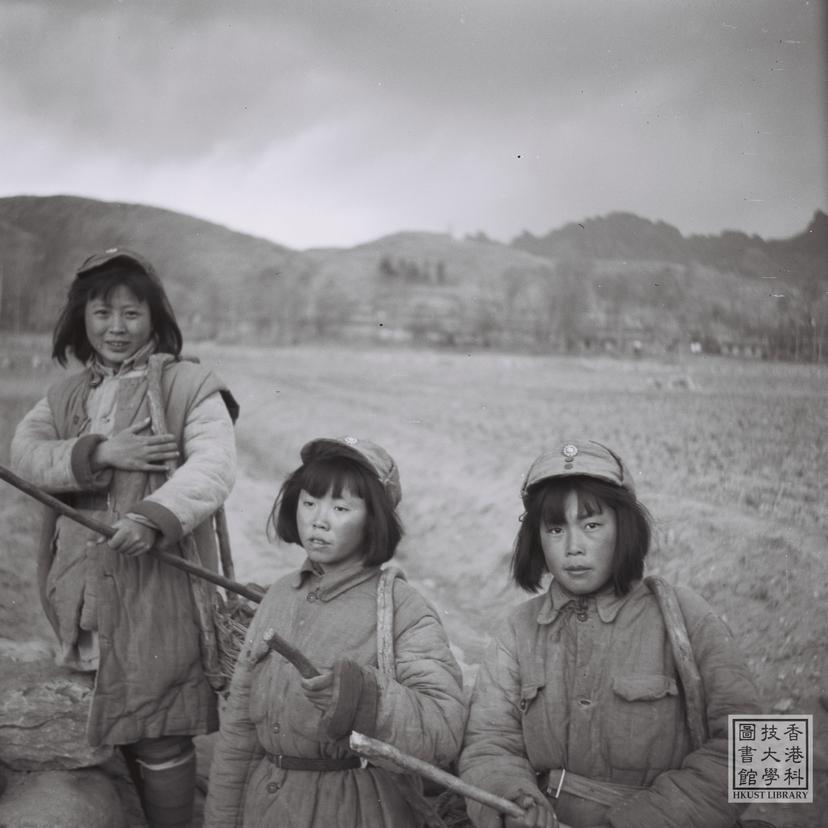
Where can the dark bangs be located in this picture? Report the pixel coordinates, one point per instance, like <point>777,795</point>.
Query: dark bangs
<point>553,502</point>
<point>545,507</point>
<point>70,330</point>
<point>335,473</point>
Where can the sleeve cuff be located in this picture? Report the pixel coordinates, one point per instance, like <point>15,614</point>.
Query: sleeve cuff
<point>355,701</point>
<point>81,461</point>
<point>144,521</point>
<point>168,524</point>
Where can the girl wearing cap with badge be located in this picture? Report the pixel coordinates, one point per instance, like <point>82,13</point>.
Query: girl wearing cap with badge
<point>386,668</point>
<point>605,698</point>
<point>143,441</point>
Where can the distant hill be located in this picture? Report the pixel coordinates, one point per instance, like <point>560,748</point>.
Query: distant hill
<point>624,236</point>
<point>45,239</point>
<point>732,290</point>
<point>614,283</point>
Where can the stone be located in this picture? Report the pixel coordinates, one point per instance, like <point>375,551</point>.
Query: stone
<point>43,712</point>
<point>61,799</point>
<point>784,705</point>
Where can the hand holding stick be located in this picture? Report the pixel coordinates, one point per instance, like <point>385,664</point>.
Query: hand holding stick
<point>382,751</point>
<point>108,532</point>
<point>297,658</point>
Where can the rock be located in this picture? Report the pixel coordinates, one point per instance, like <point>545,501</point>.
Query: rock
<point>35,650</point>
<point>61,799</point>
<point>783,705</point>
<point>116,770</point>
<point>43,712</point>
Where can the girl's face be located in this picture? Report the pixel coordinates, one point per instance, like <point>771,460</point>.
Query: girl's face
<point>580,552</point>
<point>117,325</point>
<point>332,529</point>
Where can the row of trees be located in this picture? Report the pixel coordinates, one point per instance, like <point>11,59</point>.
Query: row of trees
<point>563,306</point>
<point>409,270</point>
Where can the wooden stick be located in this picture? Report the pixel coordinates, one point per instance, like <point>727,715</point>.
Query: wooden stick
<point>223,535</point>
<point>108,532</point>
<point>157,416</point>
<point>375,749</point>
<point>273,639</point>
<point>296,657</point>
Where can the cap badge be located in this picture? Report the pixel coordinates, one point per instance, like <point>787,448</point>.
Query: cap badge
<point>569,451</point>
<point>351,441</point>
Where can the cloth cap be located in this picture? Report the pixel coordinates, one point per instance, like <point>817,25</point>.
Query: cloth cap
<point>374,457</point>
<point>578,457</point>
<point>112,255</point>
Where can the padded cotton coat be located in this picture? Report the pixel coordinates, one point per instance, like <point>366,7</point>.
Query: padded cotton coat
<point>150,680</point>
<point>590,685</point>
<point>422,711</point>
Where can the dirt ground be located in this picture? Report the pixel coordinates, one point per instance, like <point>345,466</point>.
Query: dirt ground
<point>730,457</point>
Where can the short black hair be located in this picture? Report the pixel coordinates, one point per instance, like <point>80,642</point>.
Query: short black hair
<point>383,530</point>
<point>70,329</point>
<point>545,506</point>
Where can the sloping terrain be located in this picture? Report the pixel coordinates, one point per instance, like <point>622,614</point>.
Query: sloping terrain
<point>618,283</point>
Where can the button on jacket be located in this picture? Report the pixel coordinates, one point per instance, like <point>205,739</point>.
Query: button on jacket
<point>589,684</point>
<point>422,712</point>
<point>151,678</point>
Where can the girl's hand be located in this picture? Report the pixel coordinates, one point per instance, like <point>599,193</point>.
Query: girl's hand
<point>130,451</point>
<point>539,813</point>
<point>132,538</point>
<point>319,690</point>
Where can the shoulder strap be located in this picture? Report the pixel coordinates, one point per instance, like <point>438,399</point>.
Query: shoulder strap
<point>385,620</point>
<point>410,791</point>
<point>201,591</point>
<point>688,671</point>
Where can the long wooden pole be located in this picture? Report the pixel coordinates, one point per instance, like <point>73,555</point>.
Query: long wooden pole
<point>108,532</point>
<point>273,640</point>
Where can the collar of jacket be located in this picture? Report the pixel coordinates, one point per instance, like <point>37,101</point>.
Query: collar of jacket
<point>328,586</point>
<point>139,359</point>
<point>606,602</point>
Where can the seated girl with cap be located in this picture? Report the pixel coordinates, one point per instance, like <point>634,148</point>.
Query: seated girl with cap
<point>282,757</point>
<point>587,708</point>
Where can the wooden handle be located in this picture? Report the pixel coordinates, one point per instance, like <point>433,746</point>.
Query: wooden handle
<point>294,656</point>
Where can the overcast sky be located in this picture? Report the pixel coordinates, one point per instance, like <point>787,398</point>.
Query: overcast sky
<point>333,123</point>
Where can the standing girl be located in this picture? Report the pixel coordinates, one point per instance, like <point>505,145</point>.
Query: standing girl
<point>106,440</point>
<point>587,697</point>
<point>282,758</point>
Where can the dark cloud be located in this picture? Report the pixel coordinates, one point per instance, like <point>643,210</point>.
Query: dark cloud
<point>665,105</point>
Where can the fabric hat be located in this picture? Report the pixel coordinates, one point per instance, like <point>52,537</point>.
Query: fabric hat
<point>578,457</point>
<point>115,254</point>
<point>372,456</point>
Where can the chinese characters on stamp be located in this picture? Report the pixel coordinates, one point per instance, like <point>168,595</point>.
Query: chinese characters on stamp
<point>770,758</point>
